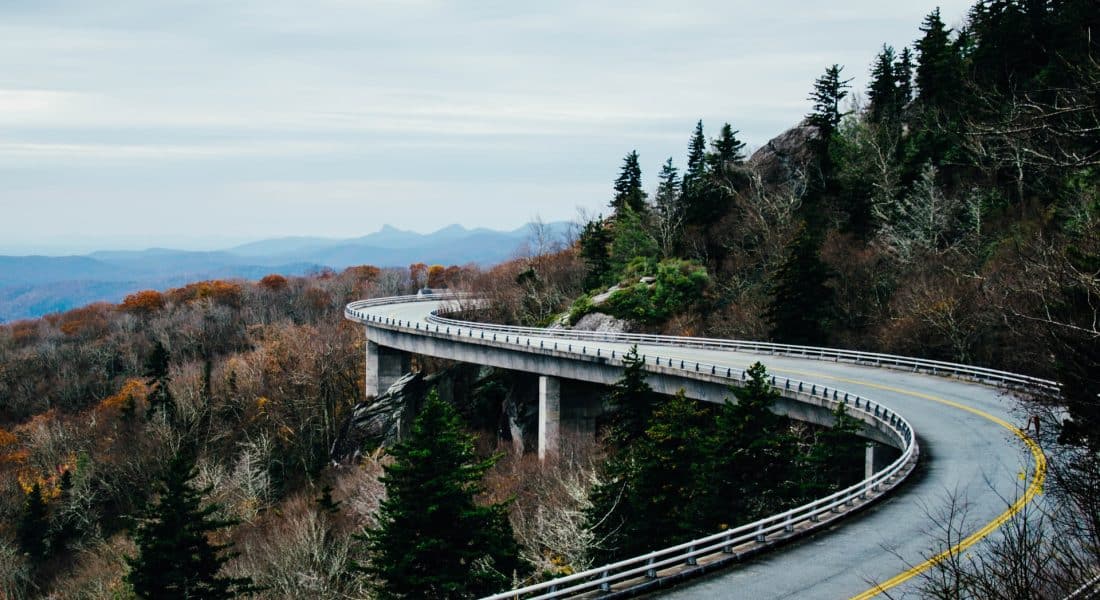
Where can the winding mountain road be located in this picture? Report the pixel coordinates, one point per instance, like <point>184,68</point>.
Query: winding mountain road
<point>970,448</point>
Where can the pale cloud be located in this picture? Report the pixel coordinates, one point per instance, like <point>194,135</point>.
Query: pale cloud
<point>278,114</point>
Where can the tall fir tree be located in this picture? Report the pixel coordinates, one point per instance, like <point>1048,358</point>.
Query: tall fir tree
<point>632,399</point>
<point>628,186</point>
<point>594,242</point>
<point>32,531</point>
<point>883,91</point>
<point>802,302</point>
<point>433,540</point>
<point>176,559</point>
<point>695,183</point>
<point>749,471</point>
<point>647,498</point>
<point>836,458</point>
<point>828,93</point>
<point>903,77</point>
<point>157,377</point>
<point>696,170</point>
<point>937,72</point>
<point>726,150</point>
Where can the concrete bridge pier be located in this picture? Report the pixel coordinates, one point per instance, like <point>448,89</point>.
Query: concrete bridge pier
<point>384,367</point>
<point>549,417</point>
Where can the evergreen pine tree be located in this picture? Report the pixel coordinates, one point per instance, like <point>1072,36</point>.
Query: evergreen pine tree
<point>628,186</point>
<point>432,540</point>
<point>802,303</point>
<point>631,240</point>
<point>829,91</point>
<point>937,72</point>
<point>749,471</point>
<point>883,91</point>
<point>647,499</point>
<point>903,77</point>
<point>632,399</point>
<point>63,527</point>
<point>34,525</point>
<point>726,150</point>
<point>835,460</point>
<point>696,170</point>
<point>176,559</point>
<point>594,242</point>
<point>156,373</point>
<point>696,177</point>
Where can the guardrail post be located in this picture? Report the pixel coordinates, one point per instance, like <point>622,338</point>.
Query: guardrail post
<point>605,586</point>
<point>789,525</point>
<point>692,561</point>
<point>760,537</point>
<point>651,572</point>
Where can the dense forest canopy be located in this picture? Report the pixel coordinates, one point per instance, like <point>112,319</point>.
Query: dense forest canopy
<point>949,211</point>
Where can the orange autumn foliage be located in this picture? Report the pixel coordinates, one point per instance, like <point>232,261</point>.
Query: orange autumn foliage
<point>10,453</point>
<point>437,276</point>
<point>220,292</point>
<point>134,393</point>
<point>144,302</point>
<point>363,272</point>
<point>89,320</point>
<point>24,331</point>
<point>274,282</point>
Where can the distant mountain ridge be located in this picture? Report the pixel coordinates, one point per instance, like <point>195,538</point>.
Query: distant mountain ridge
<point>31,286</point>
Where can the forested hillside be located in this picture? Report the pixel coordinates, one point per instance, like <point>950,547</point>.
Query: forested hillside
<point>950,211</point>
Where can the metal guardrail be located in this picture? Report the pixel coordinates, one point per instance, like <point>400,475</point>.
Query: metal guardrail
<point>646,567</point>
<point>1086,590</point>
<point>934,367</point>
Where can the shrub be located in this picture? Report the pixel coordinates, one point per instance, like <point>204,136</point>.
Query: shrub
<point>678,285</point>
<point>581,306</point>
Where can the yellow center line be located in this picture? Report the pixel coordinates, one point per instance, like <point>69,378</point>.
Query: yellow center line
<point>1034,488</point>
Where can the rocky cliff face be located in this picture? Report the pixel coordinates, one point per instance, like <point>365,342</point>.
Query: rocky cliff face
<point>786,155</point>
<point>381,422</point>
<point>490,399</point>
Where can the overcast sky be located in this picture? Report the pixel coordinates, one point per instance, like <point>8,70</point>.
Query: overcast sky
<point>201,123</point>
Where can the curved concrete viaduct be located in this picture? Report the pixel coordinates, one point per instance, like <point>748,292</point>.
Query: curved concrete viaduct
<point>968,443</point>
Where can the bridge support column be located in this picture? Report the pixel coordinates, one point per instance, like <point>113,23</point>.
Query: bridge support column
<point>384,367</point>
<point>869,461</point>
<point>549,417</point>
